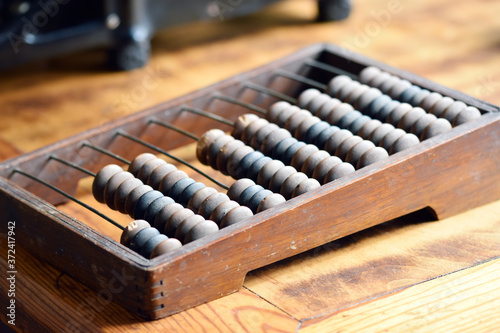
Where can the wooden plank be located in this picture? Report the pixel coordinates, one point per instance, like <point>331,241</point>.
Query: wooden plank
<point>464,301</point>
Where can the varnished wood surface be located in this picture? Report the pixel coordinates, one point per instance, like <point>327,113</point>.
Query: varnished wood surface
<point>409,274</point>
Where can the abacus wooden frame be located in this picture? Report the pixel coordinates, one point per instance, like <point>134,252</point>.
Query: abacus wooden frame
<point>449,173</point>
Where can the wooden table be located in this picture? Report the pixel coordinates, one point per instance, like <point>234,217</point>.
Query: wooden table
<point>410,274</point>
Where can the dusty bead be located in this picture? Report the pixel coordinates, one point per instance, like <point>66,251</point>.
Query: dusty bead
<point>386,110</point>
<point>257,198</point>
<point>399,112</point>
<point>367,98</point>
<point>337,83</point>
<point>133,196</point>
<point>272,140</point>
<point>380,79</point>
<point>222,209</point>
<point>357,124</point>
<point>170,179</point>
<point>294,121</point>
<point>339,171</point>
<point>399,88</point>
<point>291,183</point>
<point>371,156</point>
<point>200,196</point>
<point>419,97</point>
<point>211,202</point>
<point>347,89</point>
<point>236,215</point>
<point>139,161</point>
<point>137,243</point>
<point>376,106</point>
<point>148,168</point>
<point>132,230</point>
<point>247,162</point>
<point>336,139</point>
<point>166,246</point>
<point>143,203</point>
<point>101,179</point>
<point>238,187</point>
<point>123,191</point>
<point>379,133</point>
<point>306,97</point>
<point>261,135</point>
<point>300,157</point>
<point>470,113</point>
<point>242,123</point>
<point>189,192</point>
<point>252,129</point>
<point>268,171</point>
<point>305,186</point>
<point>409,94</point>
<point>324,167</point>
<point>368,128</point>
<point>356,93</point>
<point>155,207</point>
<point>410,118</point>
<point>438,126</point>
<point>453,110</point>
<point>165,214</point>
<point>112,186</point>
<point>406,141</point>
<point>314,131</point>
<point>317,103</point>
<point>270,201</point>
<point>346,145</point>
<point>420,125</point>
<point>347,120</point>
<point>340,111</point>
<point>391,137</point>
<point>200,230</point>
<point>327,108</point>
<point>286,114</point>
<point>186,225</point>
<point>305,126</point>
<point>179,187</point>
<point>439,108</point>
<point>248,193</point>
<point>280,149</point>
<point>225,153</point>
<point>147,247</point>
<point>175,220</point>
<point>313,161</point>
<point>357,151</point>
<point>234,165</point>
<point>276,109</point>
<point>204,142</point>
<point>215,147</point>
<point>158,174</point>
<point>279,178</point>
<point>256,166</point>
<point>388,84</point>
<point>291,151</point>
<point>368,74</point>
<point>429,101</point>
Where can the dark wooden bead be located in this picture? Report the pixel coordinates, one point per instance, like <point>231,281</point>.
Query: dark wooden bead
<point>355,153</point>
<point>305,186</point>
<point>260,136</point>
<point>238,187</point>
<point>420,125</point>
<point>166,246</point>
<point>336,139</point>
<point>189,192</point>
<point>323,137</point>
<point>142,237</point>
<point>257,198</point>
<point>408,95</point>
<point>234,166</point>
<point>225,153</point>
<point>147,168</point>
<point>273,139</point>
<point>164,215</point>
<point>339,171</point>
<point>256,166</point>
<point>215,148</point>
<point>186,225</point>
<point>211,202</point>
<point>200,230</point>
<point>139,161</point>
<point>314,131</point>
<point>247,161</point>
<point>151,244</point>
<point>324,167</point>
<point>204,142</point>
<point>155,207</point>
<point>179,187</point>
<point>279,178</point>
<point>143,203</point>
<point>374,108</point>
<point>372,156</point>
<point>268,171</point>
<point>291,151</point>
<point>348,119</point>
<point>200,196</point>
<point>346,145</point>
<point>242,123</point>
<point>112,186</point>
<point>236,215</point>
<point>221,210</point>
<point>313,161</point>
<point>132,229</point>
<point>101,179</point>
<point>175,220</point>
<point>170,179</point>
<point>247,194</point>
<point>158,174</point>
<point>270,201</point>
<point>123,191</point>
<point>281,147</point>
<point>391,137</point>
<point>379,133</point>
<point>133,196</point>
<point>386,110</point>
<point>291,183</point>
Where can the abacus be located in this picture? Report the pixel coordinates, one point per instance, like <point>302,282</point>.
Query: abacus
<point>324,143</point>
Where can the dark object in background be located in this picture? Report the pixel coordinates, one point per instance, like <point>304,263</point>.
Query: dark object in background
<point>40,29</point>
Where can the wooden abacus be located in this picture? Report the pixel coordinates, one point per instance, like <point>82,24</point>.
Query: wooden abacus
<point>449,171</point>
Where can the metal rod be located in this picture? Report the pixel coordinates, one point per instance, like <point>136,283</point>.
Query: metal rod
<point>52,187</point>
<point>301,79</point>
<point>270,92</point>
<point>175,128</point>
<point>329,68</point>
<point>240,103</point>
<point>161,151</point>
<point>207,114</point>
<point>73,165</point>
<point>106,152</point>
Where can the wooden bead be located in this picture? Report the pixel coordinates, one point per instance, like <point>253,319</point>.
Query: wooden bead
<point>306,97</point>
<point>377,105</point>
<point>419,97</point>
<point>279,178</point>
<point>314,131</point>
<point>348,119</point>
<point>234,166</point>
<point>294,121</point>
<point>368,74</point>
<point>346,145</point>
<point>112,186</point>
<point>347,89</point>
<point>151,244</point>
<point>101,179</point>
<point>261,135</point>
<point>175,220</point>
<point>211,202</point>
<point>123,191</point>
<point>439,108</point>
<point>337,83</point>
<point>236,215</point>
<point>437,127</point>
<point>470,113</point>
<point>399,112</point>
<point>337,113</point>
<point>420,125</point>
<point>279,150</point>
<point>391,137</point>
<point>327,108</point>
<point>286,114</point>
<point>291,151</point>
<point>372,156</point>
<point>408,95</point>
<point>380,79</point>
<point>379,133</point>
<point>256,166</point>
<point>235,190</point>
<point>147,168</point>
<point>277,108</point>
<point>166,246</point>
<point>155,178</point>
<point>336,139</point>
<point>388,84</point>
<point>324,167</point>
<point>179,187</point>
<point>406,141</point>
<point>270,201</point>
<point>204,142</point>
<point>139,161</point>
<point>429,101</point>
<point>367,98</point>
<point>323,137</point>
<point>339,171</point>
<point>357,124</point>
<point>313,161</point>
<point>291,183</point>
<point>132,229</point>
<point>453,110</point>
<point>247,194</point>
<point>368,128</point>
<point>133,196</point>
<point>225,153</point>
<point>186,225</point>
<point>305,186</point>
<point>200,196</point>
<point>386,110</point>
<point>142,237</point>
<point>247,162</point>
<point>399,88</point>
<point>155,207</point>
<point>410,118</point>
<point>305,126</point>
<point>222,209</point>
<point>189,192</point>
<point>169,180</point>
<point>300,157</point>
<point>257,198</point>
<point>355,153</point>
<point>356,93</point>
<point>273,139</point>
<point>143,203</point>
<point>164,215</point>
<point>200,230</point>
<point>241,123</point>
<point>268,171</point>
<point>215,148</point>
<point>252,129</point>
<point>317,103</point>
